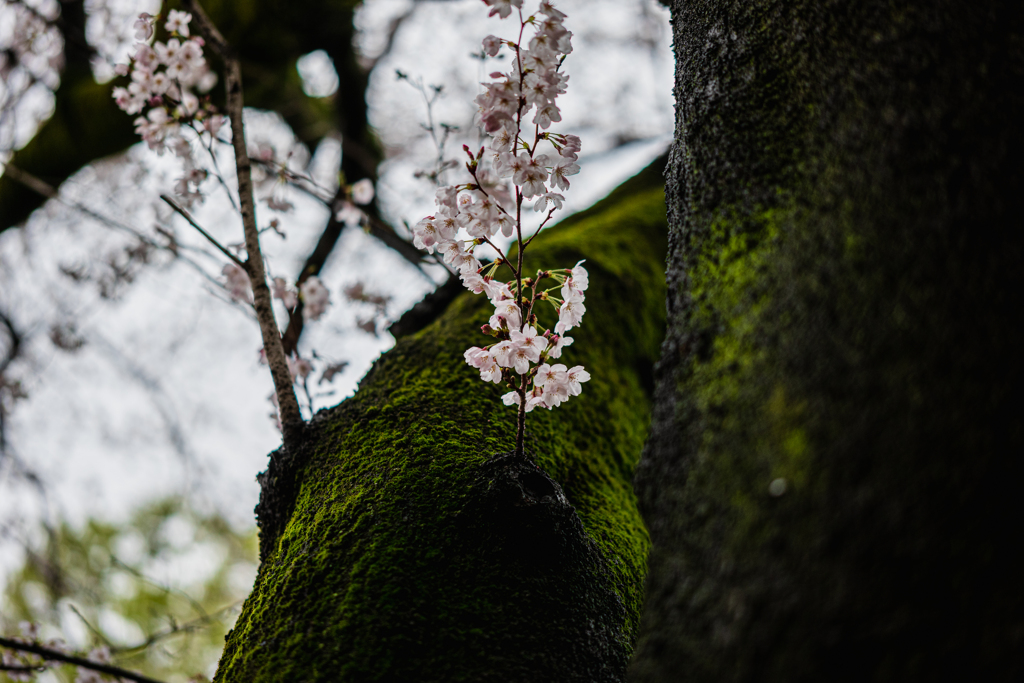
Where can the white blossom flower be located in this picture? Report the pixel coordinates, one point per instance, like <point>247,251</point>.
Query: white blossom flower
<point>280,289</point>
<point>298,368</point>
<point>177,71</point>
<point>570,147</point>
<point>491,372</point>
<point>363,192</point>
<point>177,22</point>
<point>521,357</point>
<point>145,57</point>
<point>191,54</point>
<point>542,201</point>
<point>528,338</point>
<point>315,298</point>
<point>531,174</point>
<point>502,353</point>
<point>547,8</point>
<point>562,168</point>
<point>575,376</point>
<point>213,124</point>
<point>506,224</point>
<point>547,114</point>
<point>555,349</point>
<point>550,374</point>
<point>497,291</point>
<point>473,281</point>
<point>570,313</point>
<point>144,26</point>
<point>477,357</point>
<point>491,45</point>
<point>503,7</point>
<point>278,204</point>
<point>447,200</point>
<point>237,282</point>
<point>168,53</point>
<point>506,314</point>
<point>349,214</point>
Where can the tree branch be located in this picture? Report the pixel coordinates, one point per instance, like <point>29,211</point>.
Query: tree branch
<point>57,656</point>
<point>185,214</point>
<point>288,405</point>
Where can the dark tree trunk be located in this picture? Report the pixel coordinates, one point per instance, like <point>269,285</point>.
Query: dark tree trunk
<point>832,480</point>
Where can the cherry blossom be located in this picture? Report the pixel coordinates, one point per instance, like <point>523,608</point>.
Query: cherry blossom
<point>237,282</point>
<point>491,45</point>
<point>473,213</point>
<point>503,7</point>
<point>280,289</point>
<point>315,298</point>
<point>177,22</point>
<point>144,26</point>
<point>363,192</point>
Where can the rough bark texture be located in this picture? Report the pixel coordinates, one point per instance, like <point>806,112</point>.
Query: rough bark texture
<point>418,549</point>
<point>845,263</point>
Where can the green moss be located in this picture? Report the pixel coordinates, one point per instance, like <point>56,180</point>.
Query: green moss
<point>390,568</point>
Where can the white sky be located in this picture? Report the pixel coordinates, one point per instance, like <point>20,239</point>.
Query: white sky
<point>166,395</point>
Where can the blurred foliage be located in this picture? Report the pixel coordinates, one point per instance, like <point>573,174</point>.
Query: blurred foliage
<point>161,591</point>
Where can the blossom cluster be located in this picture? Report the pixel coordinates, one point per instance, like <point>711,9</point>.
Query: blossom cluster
<point>520,346</point>
<point>471,214</point>
<point>165,79</point>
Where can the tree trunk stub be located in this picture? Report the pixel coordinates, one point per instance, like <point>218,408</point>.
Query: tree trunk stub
<point>832,479</point>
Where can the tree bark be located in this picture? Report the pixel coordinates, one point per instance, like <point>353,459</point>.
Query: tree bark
<point>831,482</point>
<point>415,547</point>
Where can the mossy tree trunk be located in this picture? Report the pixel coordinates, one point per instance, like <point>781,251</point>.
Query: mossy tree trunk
<point>832,480</point>
<point>415,547</point>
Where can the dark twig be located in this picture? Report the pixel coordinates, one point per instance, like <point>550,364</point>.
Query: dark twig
<point>185,214</point>
<point>95,631</point>
<point>53,655</point>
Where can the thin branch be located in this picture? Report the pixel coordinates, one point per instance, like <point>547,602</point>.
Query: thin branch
<point>53,655</point>
<point>196,606</point>
<point>187,627</point>
<point>46,190</point>
<point>291,416</point>
<point>89,625</point>
<point>216,166</point>
<point>551,212</point>
<point>185,214</point>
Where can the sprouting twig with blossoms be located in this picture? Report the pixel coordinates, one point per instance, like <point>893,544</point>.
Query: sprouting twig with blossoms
<point>168,82</point>
<point>479,209</point>
<point>440,139</point>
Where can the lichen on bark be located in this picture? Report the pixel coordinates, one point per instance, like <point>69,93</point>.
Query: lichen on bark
<point>417,551</point>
